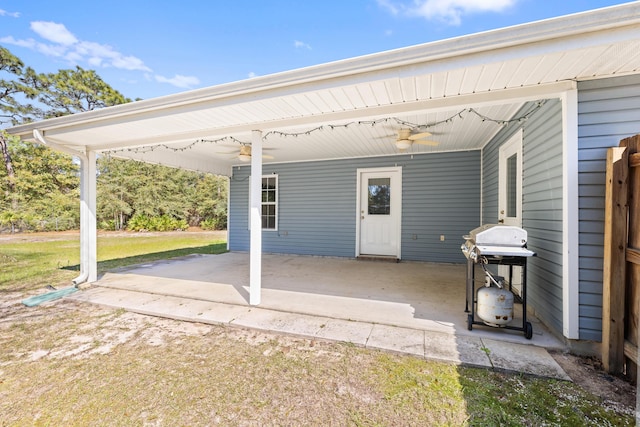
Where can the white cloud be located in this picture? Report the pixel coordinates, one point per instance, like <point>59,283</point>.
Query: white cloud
<point>10,14</point>
<point>95,62</point>
<point>93,49</point>
<point>59,42</point>
<point>184,82</point>
<point>129,63</point>
<point>251,74</point>
<point>54,50</point>
<point>448,11</point>
<point>62,43</point>
<point>388,4</point>
<point>53,32</point>
<point>28,43</point>
<point>301,45</point>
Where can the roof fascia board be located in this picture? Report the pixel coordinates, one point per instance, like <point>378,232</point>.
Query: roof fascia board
<point>551,30</point>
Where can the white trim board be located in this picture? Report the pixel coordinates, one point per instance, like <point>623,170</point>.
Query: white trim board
<point>570,215</point>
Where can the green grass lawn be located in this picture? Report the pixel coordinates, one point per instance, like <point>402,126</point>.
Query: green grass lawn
<point>69,363</point>
<point>28,264</point>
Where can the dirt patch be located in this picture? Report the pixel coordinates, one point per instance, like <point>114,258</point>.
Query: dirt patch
<point>68,329</point>
<point>587,373</point>
<point>71,363</point>
<point>143,370</point>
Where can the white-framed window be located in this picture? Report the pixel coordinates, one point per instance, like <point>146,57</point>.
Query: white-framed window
<point>268,202</point>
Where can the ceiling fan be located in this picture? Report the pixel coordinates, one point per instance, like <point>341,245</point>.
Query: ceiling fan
<point>405,138</point>
<point>244,155</point>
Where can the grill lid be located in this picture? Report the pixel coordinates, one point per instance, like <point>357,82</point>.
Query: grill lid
<point>496,240</point>
<point>498,235</point>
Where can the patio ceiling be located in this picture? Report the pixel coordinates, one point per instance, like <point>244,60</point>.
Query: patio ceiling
<point>352,108</point>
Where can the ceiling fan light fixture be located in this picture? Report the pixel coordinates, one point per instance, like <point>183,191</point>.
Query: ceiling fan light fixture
<point>245,153</point>
<point>403,144</point>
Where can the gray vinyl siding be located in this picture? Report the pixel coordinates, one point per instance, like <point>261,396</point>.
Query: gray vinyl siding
<point>608,111</point>
<point>441,196</point>
<point>542,213</point>
<point>318,213</point>
<point>541,203</point>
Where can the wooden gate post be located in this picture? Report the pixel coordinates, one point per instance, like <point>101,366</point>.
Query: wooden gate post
<point>632,296</point>
<point>614,267</point>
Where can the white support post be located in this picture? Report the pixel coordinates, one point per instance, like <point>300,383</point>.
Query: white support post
<point>255,248</point>
<point>570,214</point>
<point>91,201</point>
<point>88,234</point>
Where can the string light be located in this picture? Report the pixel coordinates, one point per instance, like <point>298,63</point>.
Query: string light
<point>415,126</point>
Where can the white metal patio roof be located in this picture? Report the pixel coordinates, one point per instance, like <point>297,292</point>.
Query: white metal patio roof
<point>345,108</point>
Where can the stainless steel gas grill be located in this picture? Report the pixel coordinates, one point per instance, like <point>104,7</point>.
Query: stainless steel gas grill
<point>500,245</point>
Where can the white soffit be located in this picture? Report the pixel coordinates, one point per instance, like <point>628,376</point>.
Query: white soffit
<point>493,72</point>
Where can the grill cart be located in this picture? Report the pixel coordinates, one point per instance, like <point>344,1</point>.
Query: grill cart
<point>493,303</point>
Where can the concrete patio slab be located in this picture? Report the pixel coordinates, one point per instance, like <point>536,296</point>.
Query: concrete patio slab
<point>163,305</point>
<point>409,308</point>
<point>219,313</point>
<point>414,295</point>
<point>128,300</point>
<point>457,349</point>
<point>277,321</point>
<point>346,331</point>
<point>397,339</point>
<point>530,360</point>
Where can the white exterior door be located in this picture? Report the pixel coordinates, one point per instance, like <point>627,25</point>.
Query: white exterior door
<point>379,211</point>
<point>510,195</point>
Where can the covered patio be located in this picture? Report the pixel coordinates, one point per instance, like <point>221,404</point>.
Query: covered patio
<point>326,129</point>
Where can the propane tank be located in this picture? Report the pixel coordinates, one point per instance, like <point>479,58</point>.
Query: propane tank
<point>495,306</point>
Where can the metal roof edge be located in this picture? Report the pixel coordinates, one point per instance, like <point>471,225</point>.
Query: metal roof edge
<point>616,16</point>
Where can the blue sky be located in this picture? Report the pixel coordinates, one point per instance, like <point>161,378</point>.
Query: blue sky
<point>147,48</point>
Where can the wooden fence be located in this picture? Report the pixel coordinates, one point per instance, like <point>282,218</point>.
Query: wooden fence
<point>621,281</point>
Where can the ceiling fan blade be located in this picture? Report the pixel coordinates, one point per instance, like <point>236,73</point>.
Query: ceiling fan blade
<point>431,143</point>
<point>395,135</point>
<point>266,156</point>
<point>420,135</point>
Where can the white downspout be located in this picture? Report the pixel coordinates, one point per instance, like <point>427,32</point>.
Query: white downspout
<point>88,234</point>
<point>255,246</point>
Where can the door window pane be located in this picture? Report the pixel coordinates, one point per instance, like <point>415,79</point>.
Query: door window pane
<point>379,196</point>
<point>512,174</point>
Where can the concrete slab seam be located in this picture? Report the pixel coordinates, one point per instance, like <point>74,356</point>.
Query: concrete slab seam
<point>487,351</point>
<point>424,344</point>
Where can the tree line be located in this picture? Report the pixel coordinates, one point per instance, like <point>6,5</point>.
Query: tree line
<point>41,187</point>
